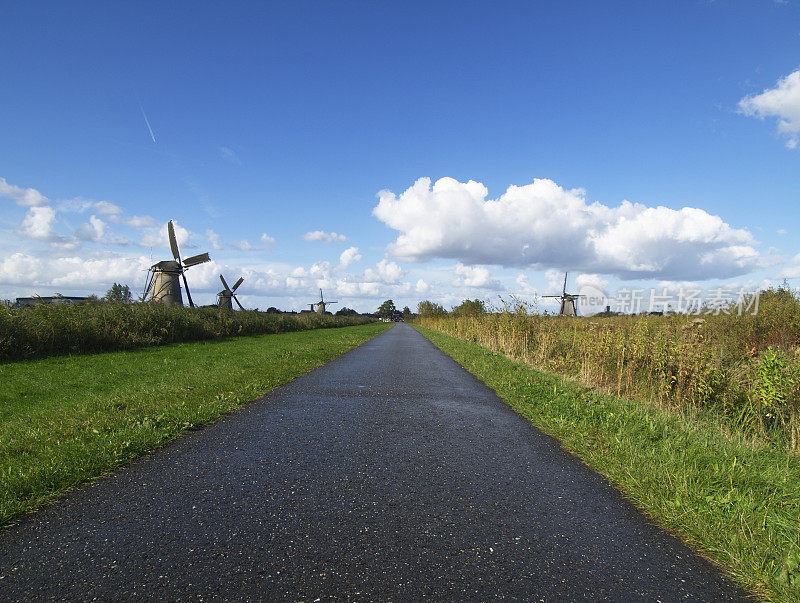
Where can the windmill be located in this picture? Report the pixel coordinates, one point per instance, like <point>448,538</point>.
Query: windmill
<point>225,296</point>
<point>162,284</point>
<point>568,307</point>
<point>322,303</point>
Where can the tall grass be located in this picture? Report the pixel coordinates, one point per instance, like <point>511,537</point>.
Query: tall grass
<point>745,369</point>
<point>55,329</point>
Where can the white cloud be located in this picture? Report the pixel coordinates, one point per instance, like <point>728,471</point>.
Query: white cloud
<point>140,222</point>
<point>542,225</point>
<point>783,102</point>
<point>792,270</point>
<point>349,256</point>
<point>96,231</point>
<point>523,285</point>
<point>422,286</point>
<point>71,272</point>
<point>327,237</point>
<point>385,272</point>
<point>160,237</point>
<point>475,276</point>
<point>26,197</point>
<point>92,230</point>
<point>108,209</point>
<point>213,238</point>
<point>38,223</point>
<point>265,241</point>
<point>590,281</point>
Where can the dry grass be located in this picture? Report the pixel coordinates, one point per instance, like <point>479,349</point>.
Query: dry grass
<point>745,369</point>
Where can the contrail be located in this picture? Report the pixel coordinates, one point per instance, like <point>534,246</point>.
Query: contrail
<point>147,122</point>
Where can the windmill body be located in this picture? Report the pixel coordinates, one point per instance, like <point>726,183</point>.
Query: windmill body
<point>225,300</point>
<point>163,283</point>
<point>568,305</point>
<point>227,296</point>
<point>320,305</point>
<point>165,287</point>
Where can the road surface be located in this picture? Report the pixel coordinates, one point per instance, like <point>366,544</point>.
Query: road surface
<point>389,473</point>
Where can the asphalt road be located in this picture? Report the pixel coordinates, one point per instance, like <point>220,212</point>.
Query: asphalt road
<point>390,473</point>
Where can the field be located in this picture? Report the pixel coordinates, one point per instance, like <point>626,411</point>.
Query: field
<point>745,370</point>
<point>55,329</point>
<point>66,420</point>
<point>734,499</point>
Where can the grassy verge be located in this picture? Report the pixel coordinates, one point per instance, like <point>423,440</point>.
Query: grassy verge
<point>66,420</point>
<point>736,503</point>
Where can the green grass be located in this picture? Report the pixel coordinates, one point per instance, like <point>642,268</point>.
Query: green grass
<point>66,420</point>
<point>736,502</point>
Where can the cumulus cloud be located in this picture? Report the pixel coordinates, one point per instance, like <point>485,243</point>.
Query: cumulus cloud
<point>475,276</point>
<point>542,225</point>
<point>26,197</point>
<point>96,231</point>
<point>93,230</point>
<point>385,272</point>
<point>349,256</point>
<point>70,272</point>
<point>783,102</point>
<point>38,223</point>
<point>327,237</point>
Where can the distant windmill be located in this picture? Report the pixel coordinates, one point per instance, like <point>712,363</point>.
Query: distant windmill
<point>322,303</point>
<point>163,285</point>
<point>226,295</point>
<point>568,307</point>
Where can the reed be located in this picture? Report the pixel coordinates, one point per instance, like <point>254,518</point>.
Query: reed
<point>745,369</point>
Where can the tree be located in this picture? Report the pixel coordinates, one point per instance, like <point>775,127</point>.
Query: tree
<point>470,307</point>
<point>428,308</point>
<point>407,315</point>
<point>387,309</point>
<point>119,294</point>
<point>346,312</point>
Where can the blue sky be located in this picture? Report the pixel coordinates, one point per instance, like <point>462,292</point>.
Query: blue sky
<point>273,121</point>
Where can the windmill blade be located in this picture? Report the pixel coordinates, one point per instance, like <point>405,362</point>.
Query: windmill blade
<point>237,283</point>
<point>186,286</point>
<point>196,259</point>
<point>322,299</point>
<point>564,292</point>
<point>236,299</point>
<point>173,242</point>
<point>224,284</point>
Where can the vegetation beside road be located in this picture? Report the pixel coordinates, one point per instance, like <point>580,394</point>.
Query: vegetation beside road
<point>744,369</point>
<point>98,326</point>
<point>735,501</point>
<point>66,420</point>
